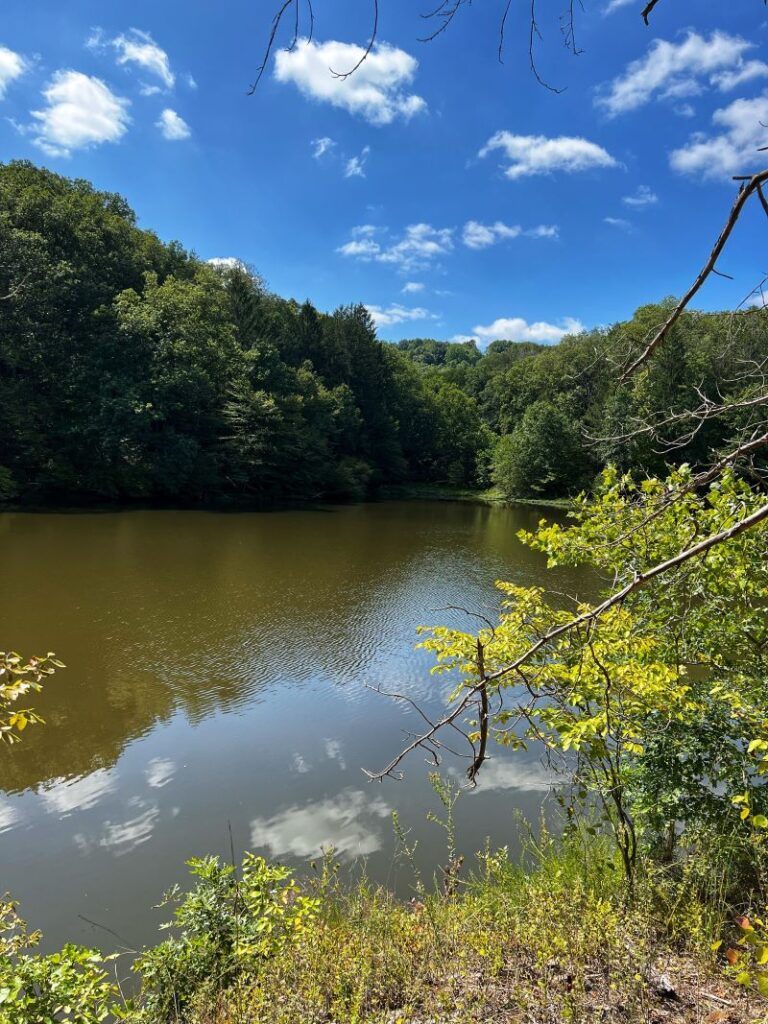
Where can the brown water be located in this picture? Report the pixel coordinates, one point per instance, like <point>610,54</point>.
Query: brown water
<point>217,675</point>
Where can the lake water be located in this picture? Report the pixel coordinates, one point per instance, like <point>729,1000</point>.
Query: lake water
<point>218,674</point>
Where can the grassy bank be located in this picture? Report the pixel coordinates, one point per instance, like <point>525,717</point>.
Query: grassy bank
<point>556,941</point>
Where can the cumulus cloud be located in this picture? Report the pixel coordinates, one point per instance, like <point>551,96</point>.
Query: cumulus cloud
<point>355,166</point>
<point>480,236</point>
<point>80,111</point>
<point>378,90</point>
<point>679,70</point>
<point>616,5</point>
<point>641,198</point>
<point>12,66</point>
<point>536,154</point>
<point>413,287</point>
<point>751,69</point>
<point>517,329</point>
<point>731,151</point>
<point>419,246</point>
<point>172,126</point>
<point>397,314</point>
<point>321,146</point>
<point>618,222</point>
<point>138,48</point>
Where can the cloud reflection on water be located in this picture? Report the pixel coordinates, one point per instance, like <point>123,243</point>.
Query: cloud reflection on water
<point>159,772</point>
<point>346,822</point>
<point>63,796</point>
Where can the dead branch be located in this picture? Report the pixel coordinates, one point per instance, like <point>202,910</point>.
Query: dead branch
<point>647,10</point>
<point>371,43</point>
<point>754,183</point>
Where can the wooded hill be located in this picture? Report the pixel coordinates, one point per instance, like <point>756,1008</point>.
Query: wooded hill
<point>132,370</point>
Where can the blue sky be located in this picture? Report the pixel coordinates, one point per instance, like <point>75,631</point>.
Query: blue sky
<point>451,194</point>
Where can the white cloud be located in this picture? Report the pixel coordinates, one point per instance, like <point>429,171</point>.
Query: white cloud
<point>419,246</point>
<point>616,5</point>
<point>678,70</point>
<point>412,287</point>
<point>62,796</point>
<point>12,66</point>
<point>734,150</point>
<point>517,329</point>
<point>537,154</point>
<point>751,69</point>
<point>81,111</point>
<point>480,236</point>
<point>642,197</point>
<point>377,91</point>
<point>159,772</point>
<point>172,126</point>
<point>347,823</point>
<point>397,314</point>
<point>618,222</point>
<point>321,146</point>
<point>139,48</point>
<point>355,166</point>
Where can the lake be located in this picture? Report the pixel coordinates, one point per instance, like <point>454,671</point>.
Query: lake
<point>219,674</point>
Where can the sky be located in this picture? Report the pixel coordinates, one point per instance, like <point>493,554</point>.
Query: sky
<point>451,193</point>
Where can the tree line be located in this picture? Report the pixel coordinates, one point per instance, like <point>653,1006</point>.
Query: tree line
<point>132,370</point>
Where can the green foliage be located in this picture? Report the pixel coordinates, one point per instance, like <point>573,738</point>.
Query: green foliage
<point>232,922</point>
<point>542,456</point>
<point>660,695</point>
<point>18,678</point>
<point>130,370</point>
<point>70,985</point>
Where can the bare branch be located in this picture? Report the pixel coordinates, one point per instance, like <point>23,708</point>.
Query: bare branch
<point>534,35</point>
<point>371,43</point>
<point>647,10</point>
<point>754,184</point>
<point>271,41</point>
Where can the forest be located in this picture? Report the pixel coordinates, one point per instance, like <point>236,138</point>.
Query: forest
<point>130,371</point>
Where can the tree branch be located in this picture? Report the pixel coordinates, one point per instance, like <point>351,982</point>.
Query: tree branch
<point>753,186</point>
<point>585,618</point>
